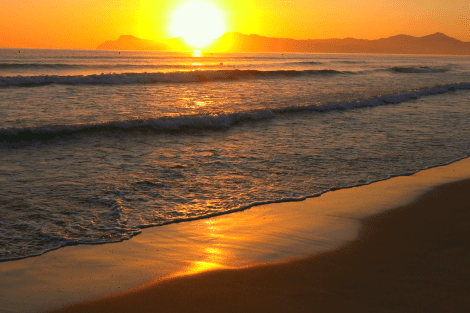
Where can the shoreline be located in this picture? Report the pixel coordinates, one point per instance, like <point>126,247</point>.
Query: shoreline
<point>270,233</point>
<point>411,259</point>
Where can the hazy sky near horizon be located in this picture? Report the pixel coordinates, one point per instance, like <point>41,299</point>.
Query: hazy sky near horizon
<point>87,23</point>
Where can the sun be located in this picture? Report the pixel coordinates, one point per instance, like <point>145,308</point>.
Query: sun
<point>198,23</point>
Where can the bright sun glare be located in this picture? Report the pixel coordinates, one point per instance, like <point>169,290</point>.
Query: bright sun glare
<point>198,23</point>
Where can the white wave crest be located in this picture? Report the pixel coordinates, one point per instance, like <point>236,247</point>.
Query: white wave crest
<point>153,78</point>
<point>221,121</point>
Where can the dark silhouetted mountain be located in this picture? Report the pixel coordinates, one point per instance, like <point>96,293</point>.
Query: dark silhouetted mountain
<point>128,42</point>
<point>437,43</point>
<point>402,44</point>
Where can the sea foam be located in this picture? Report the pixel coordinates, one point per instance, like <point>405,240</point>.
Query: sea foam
<point>153,78</point>
<point>221,121</point>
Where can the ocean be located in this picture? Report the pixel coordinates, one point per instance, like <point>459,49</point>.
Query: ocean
<point>97,145</point>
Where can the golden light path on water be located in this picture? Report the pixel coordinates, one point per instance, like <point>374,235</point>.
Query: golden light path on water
<point>215,256</point>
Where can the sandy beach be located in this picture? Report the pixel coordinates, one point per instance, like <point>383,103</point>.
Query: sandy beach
<point>412,259</point>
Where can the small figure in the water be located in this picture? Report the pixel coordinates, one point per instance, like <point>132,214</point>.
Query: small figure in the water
<point>221,64</point>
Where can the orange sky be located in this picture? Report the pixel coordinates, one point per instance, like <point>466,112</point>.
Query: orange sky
<point>85,24</point>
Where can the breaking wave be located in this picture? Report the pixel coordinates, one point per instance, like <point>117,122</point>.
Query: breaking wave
<point>418,69</point>
<point>153,78</point>
<point>221,121</point>
<point>192,76</point>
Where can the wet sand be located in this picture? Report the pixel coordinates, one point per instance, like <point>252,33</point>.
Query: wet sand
<point>415,258</point>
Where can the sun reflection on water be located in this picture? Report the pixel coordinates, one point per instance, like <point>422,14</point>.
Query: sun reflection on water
<point>202,266</point>
<point>213,255</point>
<point>213,258</point>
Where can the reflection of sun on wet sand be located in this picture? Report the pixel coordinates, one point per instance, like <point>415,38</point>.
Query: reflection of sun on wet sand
<point>412,259</point>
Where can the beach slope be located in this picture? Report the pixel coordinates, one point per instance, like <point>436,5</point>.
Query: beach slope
<point>412,259</point>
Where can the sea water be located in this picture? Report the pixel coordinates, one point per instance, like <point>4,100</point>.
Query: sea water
<point>97,145</point>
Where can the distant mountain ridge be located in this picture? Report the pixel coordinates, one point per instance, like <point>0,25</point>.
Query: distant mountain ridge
<point>437,43</point>
<point>128,42</point>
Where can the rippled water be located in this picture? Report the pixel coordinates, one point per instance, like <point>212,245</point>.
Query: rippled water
<point>95,145</point>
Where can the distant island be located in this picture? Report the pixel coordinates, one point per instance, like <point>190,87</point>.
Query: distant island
<point>437,43</point>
